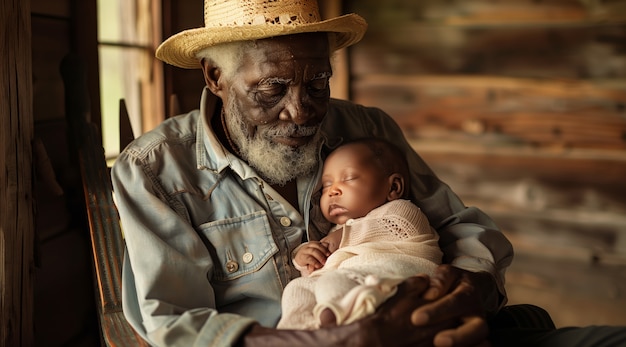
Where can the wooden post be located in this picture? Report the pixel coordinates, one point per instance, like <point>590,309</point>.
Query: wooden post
<point>339,84</point>
<point>16,179</point>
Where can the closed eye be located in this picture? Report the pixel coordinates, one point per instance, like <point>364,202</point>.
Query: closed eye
<point>319,85</point>
<point>270,91</point>
<point>326,185</point>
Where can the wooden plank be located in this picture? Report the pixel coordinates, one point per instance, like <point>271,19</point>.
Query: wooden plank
<point>485,13</point>
<point>601,168</point>
<point>186,84</point>
<point>125,128</point>
<point>401,40</point>
<point>16,202</point>
<point>51,42</point>
<point>104,226</point>
<point>531,13</point>
<point>340,83</point>
<point>539,112</point>
<point>596,52</point>
<point>56,8</point>
<point>154,106</point>
<point>85,44</point>
<point>485,86</point>
<point>569,199</point>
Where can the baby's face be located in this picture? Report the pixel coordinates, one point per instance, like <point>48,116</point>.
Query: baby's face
<point>352,184</point>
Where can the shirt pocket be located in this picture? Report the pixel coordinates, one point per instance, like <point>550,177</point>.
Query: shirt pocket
<point>239,246</point>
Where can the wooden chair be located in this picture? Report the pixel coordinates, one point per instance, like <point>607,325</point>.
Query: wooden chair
<point>104,226</point>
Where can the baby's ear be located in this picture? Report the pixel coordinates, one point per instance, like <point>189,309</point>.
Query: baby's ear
<point>396,187</point>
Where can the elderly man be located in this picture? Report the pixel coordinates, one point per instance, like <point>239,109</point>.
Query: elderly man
<point>213,202</point>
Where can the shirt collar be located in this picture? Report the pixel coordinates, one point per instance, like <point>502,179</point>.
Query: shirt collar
<point>210,152</point>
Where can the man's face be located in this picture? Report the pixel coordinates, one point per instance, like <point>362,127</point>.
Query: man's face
<point>275,103</point>
<point>352,184</point>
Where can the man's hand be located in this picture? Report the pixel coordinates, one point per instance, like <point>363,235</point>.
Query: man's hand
<point>391,324</point>
<point>456,294</point>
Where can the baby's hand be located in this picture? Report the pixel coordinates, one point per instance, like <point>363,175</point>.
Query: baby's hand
<point>332,240</point>
<point>312,255</point>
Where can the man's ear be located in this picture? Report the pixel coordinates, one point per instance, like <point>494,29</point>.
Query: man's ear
<point>212,76</point>
<point>396,187</point>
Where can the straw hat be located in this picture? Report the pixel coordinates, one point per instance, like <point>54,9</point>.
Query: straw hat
<point>241,20</point>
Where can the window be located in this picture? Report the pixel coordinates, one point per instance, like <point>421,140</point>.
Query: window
<point>128,33</point>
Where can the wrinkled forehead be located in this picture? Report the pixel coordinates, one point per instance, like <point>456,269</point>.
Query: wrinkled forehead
<point>297,46</point>
<point>301,39</point>
<point>305,56</point>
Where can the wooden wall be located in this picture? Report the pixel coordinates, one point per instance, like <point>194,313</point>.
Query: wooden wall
<point>16,192</point>
<point>520,106</point>
<point>185,84</point>
<point>64,301</point>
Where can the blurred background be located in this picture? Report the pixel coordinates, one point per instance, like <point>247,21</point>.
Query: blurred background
<point>519,105</point>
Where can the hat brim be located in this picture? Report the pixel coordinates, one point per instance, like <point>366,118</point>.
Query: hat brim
<point>181,49</point>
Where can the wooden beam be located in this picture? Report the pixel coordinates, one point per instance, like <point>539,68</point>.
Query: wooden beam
<point>85,44</point>
<point>16,185</point>
<point>340,83</point>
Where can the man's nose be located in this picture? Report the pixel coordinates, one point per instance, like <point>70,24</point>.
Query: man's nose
<point>295,108</point>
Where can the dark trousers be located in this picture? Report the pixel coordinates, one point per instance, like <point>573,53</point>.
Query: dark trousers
<point>596,336</point>
<point>529,325</point>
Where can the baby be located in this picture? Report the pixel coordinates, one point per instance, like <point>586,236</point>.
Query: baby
<point>379,239</point>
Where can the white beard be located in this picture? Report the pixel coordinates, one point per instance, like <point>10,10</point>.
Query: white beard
<point>276,163</point>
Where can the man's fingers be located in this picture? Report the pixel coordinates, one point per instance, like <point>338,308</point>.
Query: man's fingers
<point>415,285</point>
<point>441,282</point>
<point>408,297</point>
<point>472,332</point>
<point>456,304</point>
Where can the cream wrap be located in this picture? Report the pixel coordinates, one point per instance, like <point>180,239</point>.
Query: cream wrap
<point>376,253</point>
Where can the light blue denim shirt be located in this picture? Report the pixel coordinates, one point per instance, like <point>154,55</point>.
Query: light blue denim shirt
<point>209,242</point>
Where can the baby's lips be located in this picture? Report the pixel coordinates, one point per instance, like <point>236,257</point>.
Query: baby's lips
<point>336,210</point>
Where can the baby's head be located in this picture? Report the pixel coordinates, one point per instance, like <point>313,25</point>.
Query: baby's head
<point>360,176</point>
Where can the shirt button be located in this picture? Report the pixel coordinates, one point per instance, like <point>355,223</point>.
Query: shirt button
<point>231,266</point>
<point>285,221</point>
<point>247,257</point>
<point>350,222</point>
